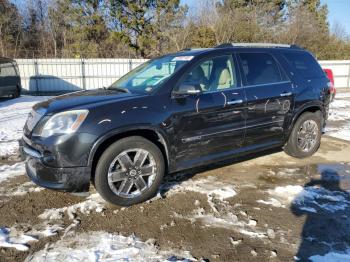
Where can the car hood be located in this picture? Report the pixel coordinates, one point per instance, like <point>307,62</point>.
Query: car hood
<point>80,99</point>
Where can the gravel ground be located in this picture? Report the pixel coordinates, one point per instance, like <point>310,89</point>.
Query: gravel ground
<point>264,207</point>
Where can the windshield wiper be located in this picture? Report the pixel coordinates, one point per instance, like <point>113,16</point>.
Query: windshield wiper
<point>124,90</point>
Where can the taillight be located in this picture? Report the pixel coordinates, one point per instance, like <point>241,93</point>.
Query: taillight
<point>331,89</point>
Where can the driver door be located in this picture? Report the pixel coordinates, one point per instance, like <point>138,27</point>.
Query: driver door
<point>211,123</point>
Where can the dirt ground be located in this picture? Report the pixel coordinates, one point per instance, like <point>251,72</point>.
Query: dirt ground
<point>263,207</point>
<point>252,224</point>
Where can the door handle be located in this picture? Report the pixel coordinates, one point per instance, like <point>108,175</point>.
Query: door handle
<point>286,94</point>
<point>235,102</point>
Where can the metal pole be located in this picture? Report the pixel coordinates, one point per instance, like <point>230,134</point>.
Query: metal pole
<point>348,85</point>
<point>130,64</point>
<point>36,71</point>
<point>83,73</point>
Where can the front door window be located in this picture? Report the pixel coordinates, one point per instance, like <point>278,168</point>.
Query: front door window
<point>214,74</point>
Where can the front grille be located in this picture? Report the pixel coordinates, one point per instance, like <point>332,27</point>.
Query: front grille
<point>32,121</point>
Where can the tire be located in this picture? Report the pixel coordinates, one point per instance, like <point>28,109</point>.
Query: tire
<point>16,93</point>
<point>121,160</point>
<point>295,144</point>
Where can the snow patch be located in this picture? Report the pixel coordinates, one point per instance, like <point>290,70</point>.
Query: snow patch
<point>209,186</point>
<point>27,187</point>
<point>9,171</point>
<point>217,193</point>
<point>339,110</point>
<point>102,246</point>
<point>341,133</point>
<point>13,115</point>
<point>309,199</point>
<point>21,190</point>
<point>225,220</point>
<point>15,237</point>
<point>286,194</point>
<point>271,201</point>
<point>18,242</point>
<point>93,203</point>
<point>282,196</point>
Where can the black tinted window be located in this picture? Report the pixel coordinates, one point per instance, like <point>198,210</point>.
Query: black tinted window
<point>304,64</point>
<point>260,68</point>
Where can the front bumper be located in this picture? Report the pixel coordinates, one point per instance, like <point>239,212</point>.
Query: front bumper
<point>71,179</point>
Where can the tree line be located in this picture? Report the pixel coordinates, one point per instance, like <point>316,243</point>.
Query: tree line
<point>148,28</point>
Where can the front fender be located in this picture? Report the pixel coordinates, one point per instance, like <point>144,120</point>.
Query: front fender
<point>125,130</point>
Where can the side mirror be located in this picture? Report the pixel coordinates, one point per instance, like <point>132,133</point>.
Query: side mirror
<point>186,90</point>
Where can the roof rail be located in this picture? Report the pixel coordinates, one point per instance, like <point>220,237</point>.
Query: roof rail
<point>224,45</point>
<point>6,58</point>
<point>271,45</point>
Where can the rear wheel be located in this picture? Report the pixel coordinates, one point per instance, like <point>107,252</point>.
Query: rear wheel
<point>305,137</point>
<point>16,93</point>
<point>130,171</point>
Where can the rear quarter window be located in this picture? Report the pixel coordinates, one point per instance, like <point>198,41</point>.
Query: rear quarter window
<point>7,69</point>
<point>260,68</point>
<point>304,64</point>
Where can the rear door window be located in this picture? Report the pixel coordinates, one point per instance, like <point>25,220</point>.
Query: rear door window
<point>7,69</point>
<point>260,68</point>
<point>304,64</point>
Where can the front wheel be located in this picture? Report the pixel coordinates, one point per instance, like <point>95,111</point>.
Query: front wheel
<point>130,171</point>
<point>305,138</point>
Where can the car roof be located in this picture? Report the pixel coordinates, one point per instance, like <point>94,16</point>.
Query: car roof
<point>254,47</point>
<point>6,59</point>
<point>192,51</point>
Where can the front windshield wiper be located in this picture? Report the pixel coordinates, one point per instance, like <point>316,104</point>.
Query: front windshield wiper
<point>125,90</point>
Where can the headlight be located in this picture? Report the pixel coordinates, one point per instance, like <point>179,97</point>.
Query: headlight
<point>63,123</point>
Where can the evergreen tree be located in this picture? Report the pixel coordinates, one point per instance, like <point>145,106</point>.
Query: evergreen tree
<point>315,9</point>
<point>138,22</point>
<point>87,29</point>
<point>266,10</point>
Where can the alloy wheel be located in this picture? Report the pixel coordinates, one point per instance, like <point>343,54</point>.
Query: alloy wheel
<point>132,172</point>
<point>307,135</point>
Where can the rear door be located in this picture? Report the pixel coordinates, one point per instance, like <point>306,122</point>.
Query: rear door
<point>311,81</point>
<point>269,98</point>
<point>212,123</point>
<point>8,78</point>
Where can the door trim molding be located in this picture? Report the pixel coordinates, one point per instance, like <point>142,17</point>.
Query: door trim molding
<point>264,124</point>
<point>200,137</point>
<point>268,84</point>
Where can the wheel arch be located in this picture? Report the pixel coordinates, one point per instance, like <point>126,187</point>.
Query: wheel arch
<point>149,133</point>
<point>312,107</point>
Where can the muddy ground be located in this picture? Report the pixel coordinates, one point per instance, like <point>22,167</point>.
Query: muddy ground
<point>182,217</point>
<point>264,207</point>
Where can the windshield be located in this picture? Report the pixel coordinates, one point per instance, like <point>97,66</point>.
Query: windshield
<point>150,75</point>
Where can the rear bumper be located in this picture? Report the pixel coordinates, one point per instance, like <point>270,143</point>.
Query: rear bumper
<point>71,179</point>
